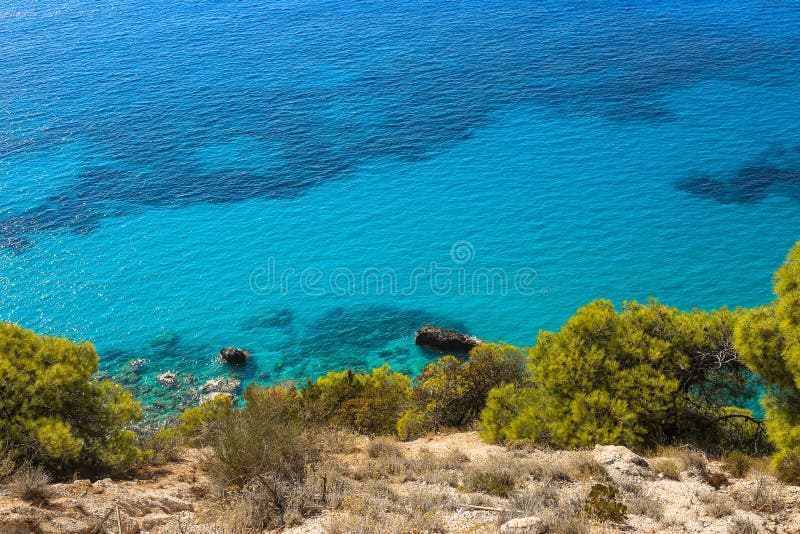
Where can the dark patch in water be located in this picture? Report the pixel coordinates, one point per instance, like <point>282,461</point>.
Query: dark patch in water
<point>406,81</point>
<point>752,184</point>
<point>278,319</point>
<point>347,338</point>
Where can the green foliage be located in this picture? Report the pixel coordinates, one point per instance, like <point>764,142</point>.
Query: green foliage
<point>451,392</point>
<point>737,463</point>
<point>768,340</point>
<point>637,377</point>
<point>787,467</point>
<point>369,402</point>
<point>196,425</point>
<point>53,413</point>
<point>7,463</point>
<point>268,438</point>
<point>603,504</point>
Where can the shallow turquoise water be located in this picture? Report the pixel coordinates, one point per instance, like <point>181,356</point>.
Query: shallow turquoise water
<point>159,161</point>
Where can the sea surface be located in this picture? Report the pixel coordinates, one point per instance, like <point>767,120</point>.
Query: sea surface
<point>312,181</point>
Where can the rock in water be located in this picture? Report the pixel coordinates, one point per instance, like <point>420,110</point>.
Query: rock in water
<point>168,379</point>
<point>221,385</point>
<point>445,340</point>
<point>233,356</point>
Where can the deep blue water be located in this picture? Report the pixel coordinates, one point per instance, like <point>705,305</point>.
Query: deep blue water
<point>164,165</point>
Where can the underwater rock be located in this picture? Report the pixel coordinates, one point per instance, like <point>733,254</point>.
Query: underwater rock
<point>168,379</point>
<point>137,365</point>
<point>221,385</point>
<point>445,340</point>
<point>165,340</point>
<point>233,356</point>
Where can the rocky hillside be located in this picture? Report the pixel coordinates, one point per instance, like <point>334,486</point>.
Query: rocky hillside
<point>444,483</point>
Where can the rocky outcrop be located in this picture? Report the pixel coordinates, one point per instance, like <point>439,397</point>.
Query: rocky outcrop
<point>221,385</point>
<point>168,379</point>
<point>445,340</point>
<point>233,356</point>
<point>620,462</point>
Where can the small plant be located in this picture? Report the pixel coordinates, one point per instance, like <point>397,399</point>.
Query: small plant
<point>383,447</point>
<point>718,506</point>
<point>787,467</point>
<point>603,504</point>
<point>737,463</point>
<point>164,446</point>
<point>581,466</point>
<point>29,484</point>
<point>7,463</point>
<point>495,476</point>
<point>743,525</point>
<point>668,467</point>
<point>640,502</point>
<point>763,495</point>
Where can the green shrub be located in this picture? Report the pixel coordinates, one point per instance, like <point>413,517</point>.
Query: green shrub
<point>603,504</point>
<point>368,402</point>
<point>768,340</point>
<point>52,409</point>
<point>263,453</point>
<point>451,392</point>
<point>163,446</point>
<point>787,467</point>
<point>636,377</point>
<point>7,463</point>
<point>737,463</point>
<point>198,424</point>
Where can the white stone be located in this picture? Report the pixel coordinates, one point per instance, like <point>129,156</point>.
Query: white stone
<point>532,524</point>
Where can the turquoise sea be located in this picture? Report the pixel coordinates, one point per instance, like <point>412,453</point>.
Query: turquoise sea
<point>314,180</point>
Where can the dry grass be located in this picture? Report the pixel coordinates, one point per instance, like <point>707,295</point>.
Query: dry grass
<point>552,471</point>
<point>686,457</point>
<point>716,505</point>
<point>7,463</point>
<point>497,475</point>
<point>383,447</point>
<point>640,502</point>
<point>29,484</point>
<point>743,525</point>
<point>737,464</point>
<point>582,466</point>
<point>787,467</point>
<point>561,510</point>
<point>764,494</point>
<point>667,467</point>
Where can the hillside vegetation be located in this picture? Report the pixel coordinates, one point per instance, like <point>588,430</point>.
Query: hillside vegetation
<point>643,376</point>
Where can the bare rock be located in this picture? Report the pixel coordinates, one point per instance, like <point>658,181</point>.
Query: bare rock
<point>168,379</point>
<point>221,385</point>
<point>233,356</point>
<point>621,462</point>
<point>529,525</point>
<point>445,340</point>
<point>137,365</point>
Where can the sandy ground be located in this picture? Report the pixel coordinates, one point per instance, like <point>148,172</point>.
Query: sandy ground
<point>424,488</point>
